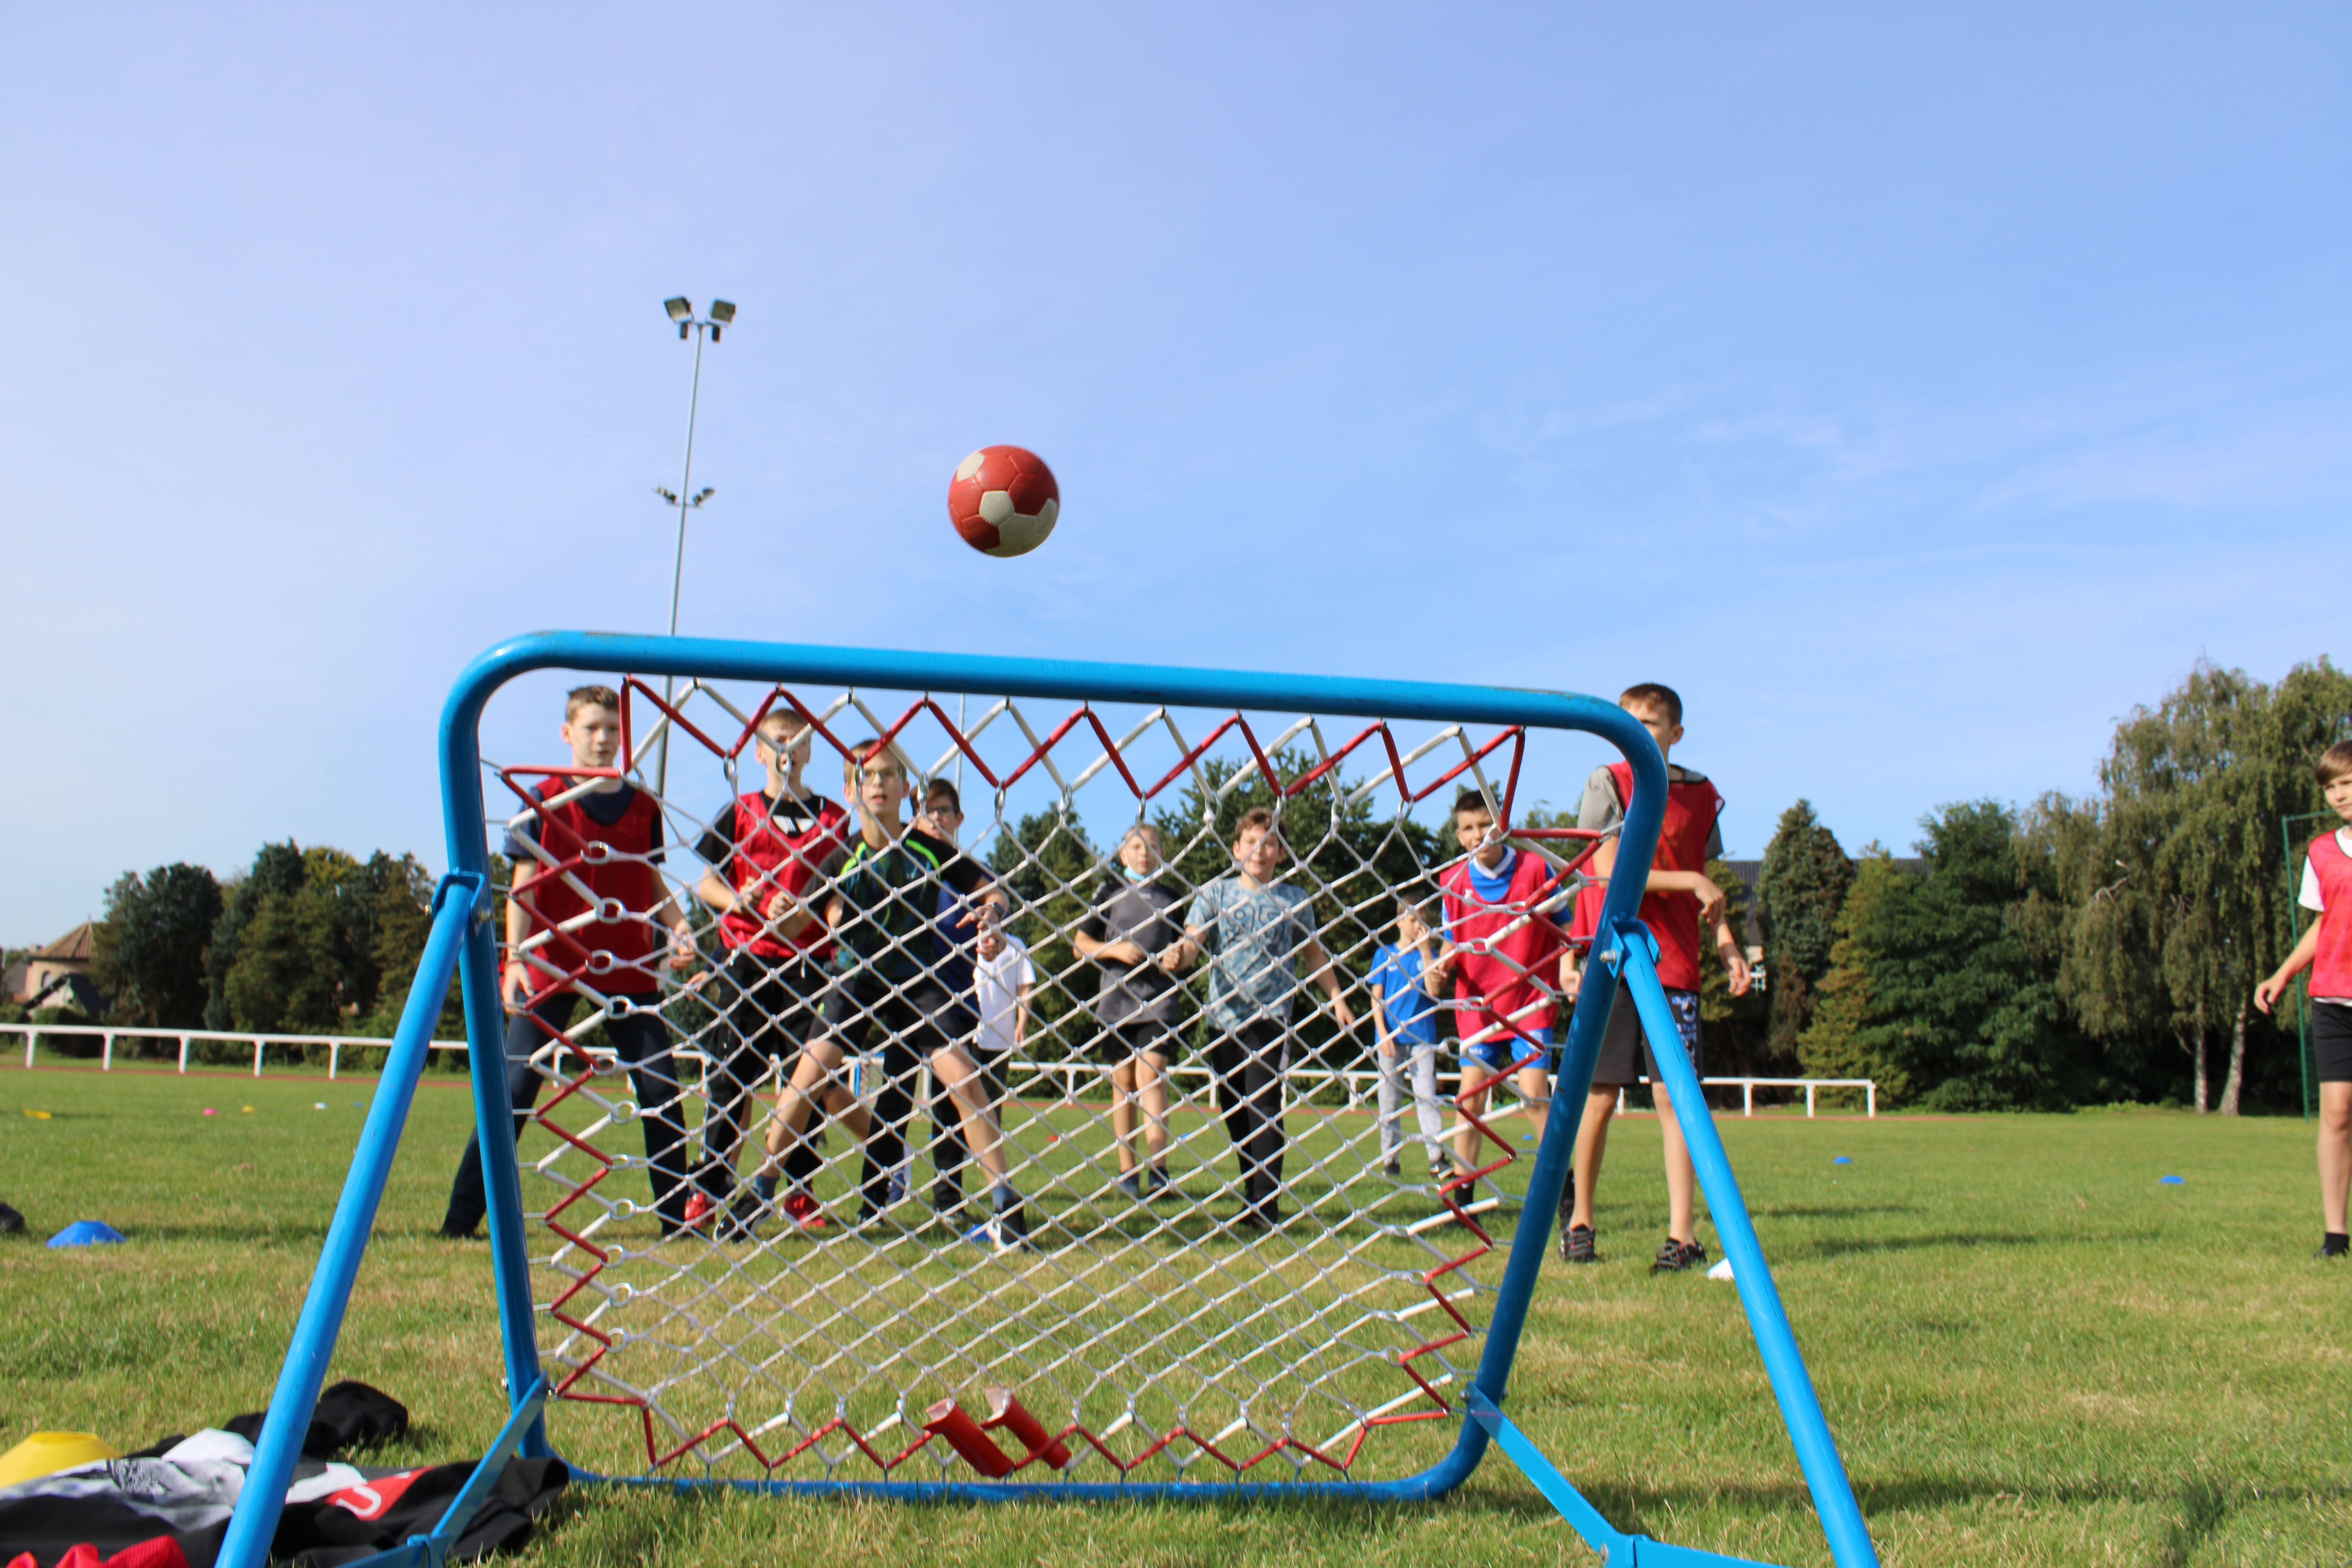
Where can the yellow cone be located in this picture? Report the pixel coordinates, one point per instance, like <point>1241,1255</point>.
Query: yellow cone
<point>47,1453</point>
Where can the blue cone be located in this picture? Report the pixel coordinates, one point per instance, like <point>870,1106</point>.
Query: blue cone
<point>85,1233</point>
<point>1841,1160</point>
<point>2172,1180</point>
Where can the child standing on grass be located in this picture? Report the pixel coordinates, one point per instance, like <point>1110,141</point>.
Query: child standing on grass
<point>1253,930</point>
<point>2326,951</point>
<point>591,843</point>
<point>1405,1019</point>
<point>1679,899</point>
<point>1132,934</point>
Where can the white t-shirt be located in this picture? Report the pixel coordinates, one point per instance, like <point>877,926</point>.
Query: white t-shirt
<point>996,985</point>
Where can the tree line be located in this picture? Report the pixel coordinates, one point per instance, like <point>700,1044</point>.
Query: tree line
<point>2071,951</point>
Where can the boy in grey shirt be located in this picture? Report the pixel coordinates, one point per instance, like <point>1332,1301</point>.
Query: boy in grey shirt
<point>1132,933</point>
<point>1253,930</point>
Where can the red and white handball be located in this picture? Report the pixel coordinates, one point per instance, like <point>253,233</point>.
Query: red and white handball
<point>1004,500</point>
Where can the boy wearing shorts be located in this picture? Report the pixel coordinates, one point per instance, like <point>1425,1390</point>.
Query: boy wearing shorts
<point>764,850</point>
<point>979,984</point>
<point>2326,951</point>
<point>590,841</point>
<point>883,908</point>
<point>1502,955</point>
<point>1405,1016</point>
<point>1679,899</point>
<point>1253,930</point>
<point>1134,935</point>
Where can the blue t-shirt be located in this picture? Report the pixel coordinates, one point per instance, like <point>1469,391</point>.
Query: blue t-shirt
<point>1253,937</point>
<point>1412,1012</point>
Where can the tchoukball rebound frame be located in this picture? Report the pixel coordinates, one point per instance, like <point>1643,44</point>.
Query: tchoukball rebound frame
<point>463,937</point>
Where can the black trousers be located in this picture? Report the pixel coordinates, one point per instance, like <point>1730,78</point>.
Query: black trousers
<point>643,1041</point>
<point>948,1150</point>
<point>1247,1066</point>
<point>770,1007</point>
<point>916,1020</point>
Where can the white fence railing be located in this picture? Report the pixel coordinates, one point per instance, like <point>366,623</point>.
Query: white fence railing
<point>1359,1081</point>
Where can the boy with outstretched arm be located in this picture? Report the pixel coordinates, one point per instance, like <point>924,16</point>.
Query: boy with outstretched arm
<point>590,842</point>
<point>883,907</point>
<point>1679,901</point>
<point>764,850</point>
<point>2326,951</point>
<point>1253,930</point>
<point>1502,955</point>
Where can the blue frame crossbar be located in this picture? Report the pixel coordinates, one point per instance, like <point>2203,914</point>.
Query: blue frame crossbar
<point>470,945</point>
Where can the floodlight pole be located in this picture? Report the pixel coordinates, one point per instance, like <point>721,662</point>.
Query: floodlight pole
<point>685,500</point>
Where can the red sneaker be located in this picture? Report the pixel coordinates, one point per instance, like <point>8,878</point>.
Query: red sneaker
<point>698,1208</point>
<point>804,1211</point>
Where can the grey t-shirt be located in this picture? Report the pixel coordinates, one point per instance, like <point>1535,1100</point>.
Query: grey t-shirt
<point>1145,914</point>
<point>1600,810</point>
<point>1253,937</point>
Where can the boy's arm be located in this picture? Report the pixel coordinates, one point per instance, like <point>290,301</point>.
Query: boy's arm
<point>715,891</point>
<point>2269,991</point>
<point>1734,958</point>
<point>1021,1013</point>
<point>515,983</point>
<point>1710,897</point>
<point>1380,1018</point>
<point>1325,974</point>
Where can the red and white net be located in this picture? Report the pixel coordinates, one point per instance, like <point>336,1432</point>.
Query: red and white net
<point>877,1317</point>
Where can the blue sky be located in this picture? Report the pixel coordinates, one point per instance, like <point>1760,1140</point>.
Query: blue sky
<point>1915,392</point>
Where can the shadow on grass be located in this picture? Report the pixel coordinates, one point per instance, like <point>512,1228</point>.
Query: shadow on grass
<point>1841,1245</point>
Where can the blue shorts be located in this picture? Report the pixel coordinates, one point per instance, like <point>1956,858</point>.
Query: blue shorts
<point>1497,1051</point>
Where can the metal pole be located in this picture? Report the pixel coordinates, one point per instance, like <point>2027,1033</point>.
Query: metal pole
<point>678,573</point>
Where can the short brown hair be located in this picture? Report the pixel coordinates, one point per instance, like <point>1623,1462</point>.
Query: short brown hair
<point>942,788</point>
<point>1261,818</point>
<point>2334,764</point>
<point>1472,800</point>
<point>1650,694</point>
<point>581,697</point>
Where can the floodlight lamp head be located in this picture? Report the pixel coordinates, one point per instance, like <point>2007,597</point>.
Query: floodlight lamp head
<point>704,494</point>
<point>723,312</point>
<point>679,308</point>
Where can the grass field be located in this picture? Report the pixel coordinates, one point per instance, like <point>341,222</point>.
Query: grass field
<point>2030,1351</point>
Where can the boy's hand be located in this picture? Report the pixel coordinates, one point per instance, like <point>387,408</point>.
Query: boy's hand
<point>1125,953</point>
<point>682,950</point>
<point>2269,991</point>
<point>516,986</point>
<point>991,941</point>
<point>1388,1048</point>
<point>1710,897</point>
<point>1172,957</point>
<point>1345,1013</point>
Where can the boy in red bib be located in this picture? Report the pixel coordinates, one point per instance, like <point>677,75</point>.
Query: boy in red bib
<point>589,844</point>
<point>2326,951</point>
<point>1680,901</point>
<point>1501,954</point>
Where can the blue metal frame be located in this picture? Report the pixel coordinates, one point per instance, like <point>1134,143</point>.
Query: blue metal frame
<point>464,813</point>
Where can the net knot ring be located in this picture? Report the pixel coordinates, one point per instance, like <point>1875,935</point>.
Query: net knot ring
<point>612,911</point>
<point>596,853</point>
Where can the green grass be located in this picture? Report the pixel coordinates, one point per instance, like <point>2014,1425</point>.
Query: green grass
<point>2029,1350</point>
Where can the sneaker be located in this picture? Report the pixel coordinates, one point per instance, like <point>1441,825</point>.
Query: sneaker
<point>1567,1221</point>
<point>743,1217</point>
<point>1393,1168</point>
<point>1005,1232</point>
<point>804,1212</point>
<point>451,1231</point>
<point>1676,1255</point>
<point>698,1208</point>
<point>2332,1247</point>
<point>1131,1186</point>
<point>1160,1185</point>
<point>1576,1245</point>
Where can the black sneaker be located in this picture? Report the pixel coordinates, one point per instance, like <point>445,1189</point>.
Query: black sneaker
<point>1576,1245</point>
<point>2333,1246</point>
<point>1566,1223</point>
<point>1676,1255</point>
<point>1012,1226</point>
<point>741,1221</point>
<point>1391,1169</point>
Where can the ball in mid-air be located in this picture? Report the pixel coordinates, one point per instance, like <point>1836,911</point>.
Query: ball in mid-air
<point>1004,500</point>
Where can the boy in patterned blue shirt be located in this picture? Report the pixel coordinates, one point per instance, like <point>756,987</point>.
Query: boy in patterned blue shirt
<point>1253,930</point>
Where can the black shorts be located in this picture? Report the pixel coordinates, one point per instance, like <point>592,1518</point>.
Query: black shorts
<point>1122,1042</point>
<point>2331,1041</point>
<point>917,1018</point>
<point>772,1003</point>
<point>1625,1055</point>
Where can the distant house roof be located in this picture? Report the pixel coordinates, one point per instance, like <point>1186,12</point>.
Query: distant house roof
<point>78,945</point>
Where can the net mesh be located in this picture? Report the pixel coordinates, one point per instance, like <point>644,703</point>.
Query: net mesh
<point>1115,1294</point>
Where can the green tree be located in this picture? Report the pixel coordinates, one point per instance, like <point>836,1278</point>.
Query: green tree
<point>1736,1038</point>
<point>1048,867</point>
<point>2186,900</point>
<point>1834,1044</point>
<point>276,869</point>
<point>1958,1001</point>
<point>150,948</point>
<point>1799,891</point>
